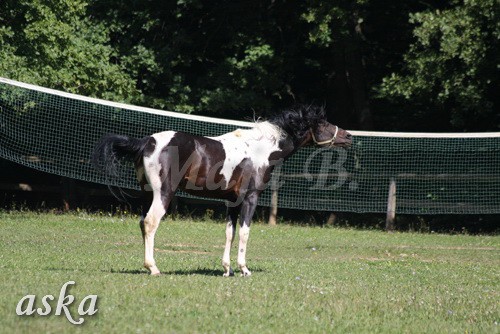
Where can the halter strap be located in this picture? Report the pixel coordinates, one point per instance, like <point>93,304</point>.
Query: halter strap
<point>330,141</point>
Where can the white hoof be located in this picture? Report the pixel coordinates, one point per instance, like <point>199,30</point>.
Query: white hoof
<point>245,272</point>
<point>153,271</point>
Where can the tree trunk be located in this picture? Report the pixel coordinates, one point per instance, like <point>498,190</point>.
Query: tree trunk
<point>340,106</point>
<point>348,103</point>
<point>357,86</point>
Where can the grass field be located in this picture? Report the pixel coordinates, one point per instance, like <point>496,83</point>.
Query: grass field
<point>305,279</point>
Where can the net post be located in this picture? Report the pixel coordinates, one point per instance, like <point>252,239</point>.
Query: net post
<point>68,192</point>
<point>331,219</point>
<point>391,207</point>
<point>174,207</point>
<point>274,207</point>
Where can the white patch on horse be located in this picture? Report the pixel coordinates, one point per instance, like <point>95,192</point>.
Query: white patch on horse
<point>256,144</point>
<point>152,164</point>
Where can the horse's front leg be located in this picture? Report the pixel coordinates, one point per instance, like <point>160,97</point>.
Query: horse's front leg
<point>247,210</point>
<point>232,219</point>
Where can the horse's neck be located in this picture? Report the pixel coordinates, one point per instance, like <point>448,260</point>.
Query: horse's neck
<point>288,148</point>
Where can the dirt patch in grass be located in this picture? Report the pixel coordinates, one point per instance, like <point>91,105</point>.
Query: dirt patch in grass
<point>176,250</point>
<point>449,247</point>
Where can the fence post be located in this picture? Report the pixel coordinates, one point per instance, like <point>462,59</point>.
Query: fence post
<point>274,207</point>
<point>391,207</point>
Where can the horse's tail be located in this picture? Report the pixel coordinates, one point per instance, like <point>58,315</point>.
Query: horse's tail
<point>111,148</point>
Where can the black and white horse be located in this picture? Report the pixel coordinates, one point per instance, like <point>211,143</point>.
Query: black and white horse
<point>235,166</point>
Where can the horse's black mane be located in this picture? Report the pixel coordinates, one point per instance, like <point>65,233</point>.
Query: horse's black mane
<point>298,120</point>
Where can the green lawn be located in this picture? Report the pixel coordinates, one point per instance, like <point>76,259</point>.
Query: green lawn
<point>305,279</point>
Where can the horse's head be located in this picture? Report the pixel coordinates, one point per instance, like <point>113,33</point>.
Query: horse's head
<point>308,125</point>
<point>326,134</point>
<point>322,132</point>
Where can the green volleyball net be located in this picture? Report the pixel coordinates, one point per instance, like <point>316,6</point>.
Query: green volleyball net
<point>55,132</point>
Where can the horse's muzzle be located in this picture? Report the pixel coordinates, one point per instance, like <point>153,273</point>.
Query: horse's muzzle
<point>344,141</point>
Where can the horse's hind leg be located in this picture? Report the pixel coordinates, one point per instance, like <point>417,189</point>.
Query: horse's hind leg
<point>161,197</point>
<point>158,208</point>
<point>232,219</point>
<point>147,200</point>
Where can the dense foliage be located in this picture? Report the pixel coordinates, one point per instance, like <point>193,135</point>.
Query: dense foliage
<point>375,64</point>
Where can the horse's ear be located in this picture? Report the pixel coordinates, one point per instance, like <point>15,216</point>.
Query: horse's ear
<point>292,122</point>
<point>321,112</point>
<point>315,114</point>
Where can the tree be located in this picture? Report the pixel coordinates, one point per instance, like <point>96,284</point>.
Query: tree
<point>54,43</point>
<point>450,75</point>
<point>337,28</point>
<point>373,63</point>
<point>219,57</point>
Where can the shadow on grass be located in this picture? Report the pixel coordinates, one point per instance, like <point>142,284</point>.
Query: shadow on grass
<point>188,272</point>
<point>127,271</point>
